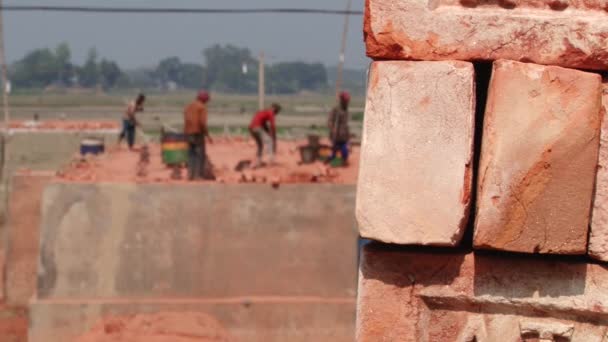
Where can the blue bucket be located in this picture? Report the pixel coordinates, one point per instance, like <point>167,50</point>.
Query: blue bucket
<point>92,146</point>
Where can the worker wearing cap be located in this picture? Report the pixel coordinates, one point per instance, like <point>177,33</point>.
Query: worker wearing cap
<point>263,126</point>
<point>129,121</point>
<point>339,132</point>
<point>196,131</point>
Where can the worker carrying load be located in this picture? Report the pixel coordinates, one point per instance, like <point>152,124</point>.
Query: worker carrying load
<point>129,122</point>
<point>196,131</point>
<point>339,133</point>
<point>263,127</point>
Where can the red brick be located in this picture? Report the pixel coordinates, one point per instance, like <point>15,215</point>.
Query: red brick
<point>408,295</point>
<point>598,242</point>
<point>538,159</point>
<point>415,174</point>
<point>448,30</point>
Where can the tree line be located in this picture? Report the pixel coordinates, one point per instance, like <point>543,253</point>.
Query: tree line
<point>227,69</point>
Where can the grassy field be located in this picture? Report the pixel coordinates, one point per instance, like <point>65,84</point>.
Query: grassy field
<point>302,114</point>
<point>173,99</point>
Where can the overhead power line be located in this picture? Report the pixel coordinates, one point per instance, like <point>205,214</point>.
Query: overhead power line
<point>141,10</point>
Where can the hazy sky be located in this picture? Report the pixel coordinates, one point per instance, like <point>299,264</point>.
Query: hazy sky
<point>142,39</point>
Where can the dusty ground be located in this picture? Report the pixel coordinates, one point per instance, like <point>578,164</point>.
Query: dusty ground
<point>159,327</point>
<point>120,165</point>
<point>13,324</point>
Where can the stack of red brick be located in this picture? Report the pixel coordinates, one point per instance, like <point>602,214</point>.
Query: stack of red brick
<point>514,163</point>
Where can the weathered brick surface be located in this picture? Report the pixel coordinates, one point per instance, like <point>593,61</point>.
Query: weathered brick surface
<point>598,243</point>
<point>411,295</point>
<point>538,159</point>
<point>415,176</point>
<point>505,29</point>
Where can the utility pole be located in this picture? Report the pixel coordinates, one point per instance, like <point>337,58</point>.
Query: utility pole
<point>4,72</point>
<point>261,82</point>
<point>4,179</point>
<point>340,74</point>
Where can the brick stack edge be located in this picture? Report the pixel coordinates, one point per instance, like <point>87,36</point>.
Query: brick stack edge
<point>19,254</point>
<point>526,175</point>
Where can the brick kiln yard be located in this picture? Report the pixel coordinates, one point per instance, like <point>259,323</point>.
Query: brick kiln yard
<point>120,165</point>
<point>169,251</point>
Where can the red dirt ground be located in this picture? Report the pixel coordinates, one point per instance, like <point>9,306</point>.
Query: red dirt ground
<point>159,327</point>
<point>120,165</point>
<point>13,324</point>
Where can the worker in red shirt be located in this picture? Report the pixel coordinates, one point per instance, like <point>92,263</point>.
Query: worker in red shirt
<point>263,127</point>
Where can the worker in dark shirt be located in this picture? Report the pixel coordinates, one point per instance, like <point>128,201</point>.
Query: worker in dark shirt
<point>339,132</point>
<point>263,127</point>
<point>129,121</point>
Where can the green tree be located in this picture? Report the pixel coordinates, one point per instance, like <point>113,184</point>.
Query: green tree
<point>353,80</point>
<point>169,70</point>
<point>65,69</point>
<point>89,74</point>
<point>185,75</point>
<point>109,73</point>
<point>224,69</point>
<point>192,76</point>
<point>37,69</point>
<point>292,77</point>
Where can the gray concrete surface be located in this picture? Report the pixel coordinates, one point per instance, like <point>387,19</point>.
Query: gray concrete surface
<point>114,240</point>
<point>247,320</point>
<point>113,245</point>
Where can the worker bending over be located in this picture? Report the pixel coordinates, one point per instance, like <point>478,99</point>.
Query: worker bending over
<point>263,127</point>
<point>339,133</point>
<point>196,131</point>
<point>129,121</point>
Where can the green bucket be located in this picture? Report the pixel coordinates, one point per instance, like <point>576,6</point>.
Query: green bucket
<point>174,149</point>
<point>174,153</point>
<point>337,162</point>
<point>175,156</point>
